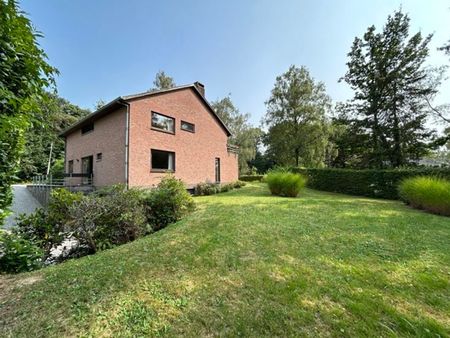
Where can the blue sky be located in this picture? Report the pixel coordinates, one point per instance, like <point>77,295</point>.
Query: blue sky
<point>108,48</point>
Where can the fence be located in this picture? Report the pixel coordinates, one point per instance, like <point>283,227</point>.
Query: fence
<point>42,185</point>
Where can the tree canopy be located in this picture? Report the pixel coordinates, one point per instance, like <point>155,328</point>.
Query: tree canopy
<point>243,134</point>
<point>297,119</point>
<point>162,81</point>
<point>24,75</point>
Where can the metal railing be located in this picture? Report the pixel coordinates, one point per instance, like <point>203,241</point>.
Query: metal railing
<point>42,185</point>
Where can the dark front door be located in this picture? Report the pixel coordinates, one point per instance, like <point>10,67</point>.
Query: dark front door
<point>86,168</point>
<point>217,166</point>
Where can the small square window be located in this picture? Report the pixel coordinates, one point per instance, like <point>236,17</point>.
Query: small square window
<point>163,123</point>
<point>188,126</point>
<point>162,160</point>
<point>87,128</point>
<point>99,157</point>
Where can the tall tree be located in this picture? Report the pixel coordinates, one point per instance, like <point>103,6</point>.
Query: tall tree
<point>296,118</point>
<point>243,134</point>
<point>55,115</point>
<point>162,81</point>
<point>24,74</point>
<point>386,71</point>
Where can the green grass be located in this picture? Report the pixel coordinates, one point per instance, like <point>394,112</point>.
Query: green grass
<point>251,264</point>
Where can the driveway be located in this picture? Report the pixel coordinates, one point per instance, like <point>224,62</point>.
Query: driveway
<point>23,203</point>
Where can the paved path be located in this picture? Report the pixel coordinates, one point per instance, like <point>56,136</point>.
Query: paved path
<point>23,203</point>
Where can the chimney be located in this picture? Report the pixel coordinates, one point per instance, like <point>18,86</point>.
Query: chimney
<point>200,87</point>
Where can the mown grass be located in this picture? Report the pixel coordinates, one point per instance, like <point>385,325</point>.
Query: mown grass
<point>251,264</point>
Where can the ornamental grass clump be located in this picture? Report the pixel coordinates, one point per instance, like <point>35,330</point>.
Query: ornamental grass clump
<point>427,193</point>
<point>285,183</point>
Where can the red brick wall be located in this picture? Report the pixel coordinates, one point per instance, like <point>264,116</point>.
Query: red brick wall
<point>108,138</point>
<point>195,153</point>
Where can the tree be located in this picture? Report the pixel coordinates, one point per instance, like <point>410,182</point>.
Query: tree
<point>55,115</point>
<point>24,75</point>
<point>386,71</point>
<point>243,134</point>
<point>99,104</point>
<point>296,118</point>
<point>162,81</point>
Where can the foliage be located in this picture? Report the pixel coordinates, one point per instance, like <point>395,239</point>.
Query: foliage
<point>428,193</point>
<point>54,115</point>
<point>392,96</point>
<point>322,265</point>
<point>162,81</point>
<point>366,182</point>
<point>285,183</point>
<point>47,227</point>
<point>101,221</point>
<point>167,203</point>
<point>251,178</point>
<point>262,161</point>
<point>208,188</point>
<point>242,133</point>
<point>24,75</point>
<point>296,118</point>
<point>18,254</point>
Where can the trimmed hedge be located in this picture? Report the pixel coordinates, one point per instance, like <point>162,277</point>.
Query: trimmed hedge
<point>367,182</point>
<point>251,178</point>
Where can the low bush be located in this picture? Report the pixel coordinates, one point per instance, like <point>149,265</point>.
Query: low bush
<point>285,183</point>
<point>103,220</point>
<point>207,188</point>
<point>167,203</point>
<point>427,193</point>
<point>251,178</point>
<point>365,182</point>
<point>18,254</point>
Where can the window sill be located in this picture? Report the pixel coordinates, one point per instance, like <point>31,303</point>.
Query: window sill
<point>162,171</point>
<point>163,131</point>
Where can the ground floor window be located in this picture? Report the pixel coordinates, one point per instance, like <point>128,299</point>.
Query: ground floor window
<point>70,167</point>
<point>162,160</point>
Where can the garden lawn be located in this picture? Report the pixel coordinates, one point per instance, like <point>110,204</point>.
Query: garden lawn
<point>248,263</point>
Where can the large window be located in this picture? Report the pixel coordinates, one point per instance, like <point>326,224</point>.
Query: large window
<point>188,126</point>
<point>163,123</point>
<point>70,168</point>
<point>162,160</point>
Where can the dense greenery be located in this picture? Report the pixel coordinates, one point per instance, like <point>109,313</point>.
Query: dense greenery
<point>428,193</point>
<point>242,133</point>
<point>23,77</point>
<point>55,114</point>
<point>296,117</point>
<point>250,264</point>
<point>393,88</point>
<point>208,188</point>
<point>284,183</point>
<point>18,254</point>
<point>109,217</point>
<point>368,182</point>
<point>162,81</point>
<point>251,178</point>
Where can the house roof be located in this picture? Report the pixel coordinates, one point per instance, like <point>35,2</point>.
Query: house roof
<point>123,100</point>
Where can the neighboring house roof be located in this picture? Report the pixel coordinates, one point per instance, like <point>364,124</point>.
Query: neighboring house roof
<point>122,100</point>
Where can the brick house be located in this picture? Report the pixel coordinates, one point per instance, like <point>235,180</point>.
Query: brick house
<point>137,139</point>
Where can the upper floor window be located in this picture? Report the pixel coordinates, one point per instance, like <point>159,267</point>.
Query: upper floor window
<point>163,122</point>
<point>188,126</point>
<point>87,128</point>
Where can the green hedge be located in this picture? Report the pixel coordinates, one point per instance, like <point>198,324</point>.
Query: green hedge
<point>251,178</point>
<point>370,182</point>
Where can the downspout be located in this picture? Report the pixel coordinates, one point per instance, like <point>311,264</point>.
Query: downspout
<point>127,140</point>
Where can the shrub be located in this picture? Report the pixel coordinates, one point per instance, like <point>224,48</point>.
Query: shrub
<point>285,183</point>
<point>428,193</point>
<point>206,188</point>
<point>167,203</point>
<point>47,228</point>
<point>251,178</point>
<point>111,217</point>
<point>365,182</point>
<point>18,254</point>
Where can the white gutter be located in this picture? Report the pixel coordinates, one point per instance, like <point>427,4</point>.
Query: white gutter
<point>127,139</point>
